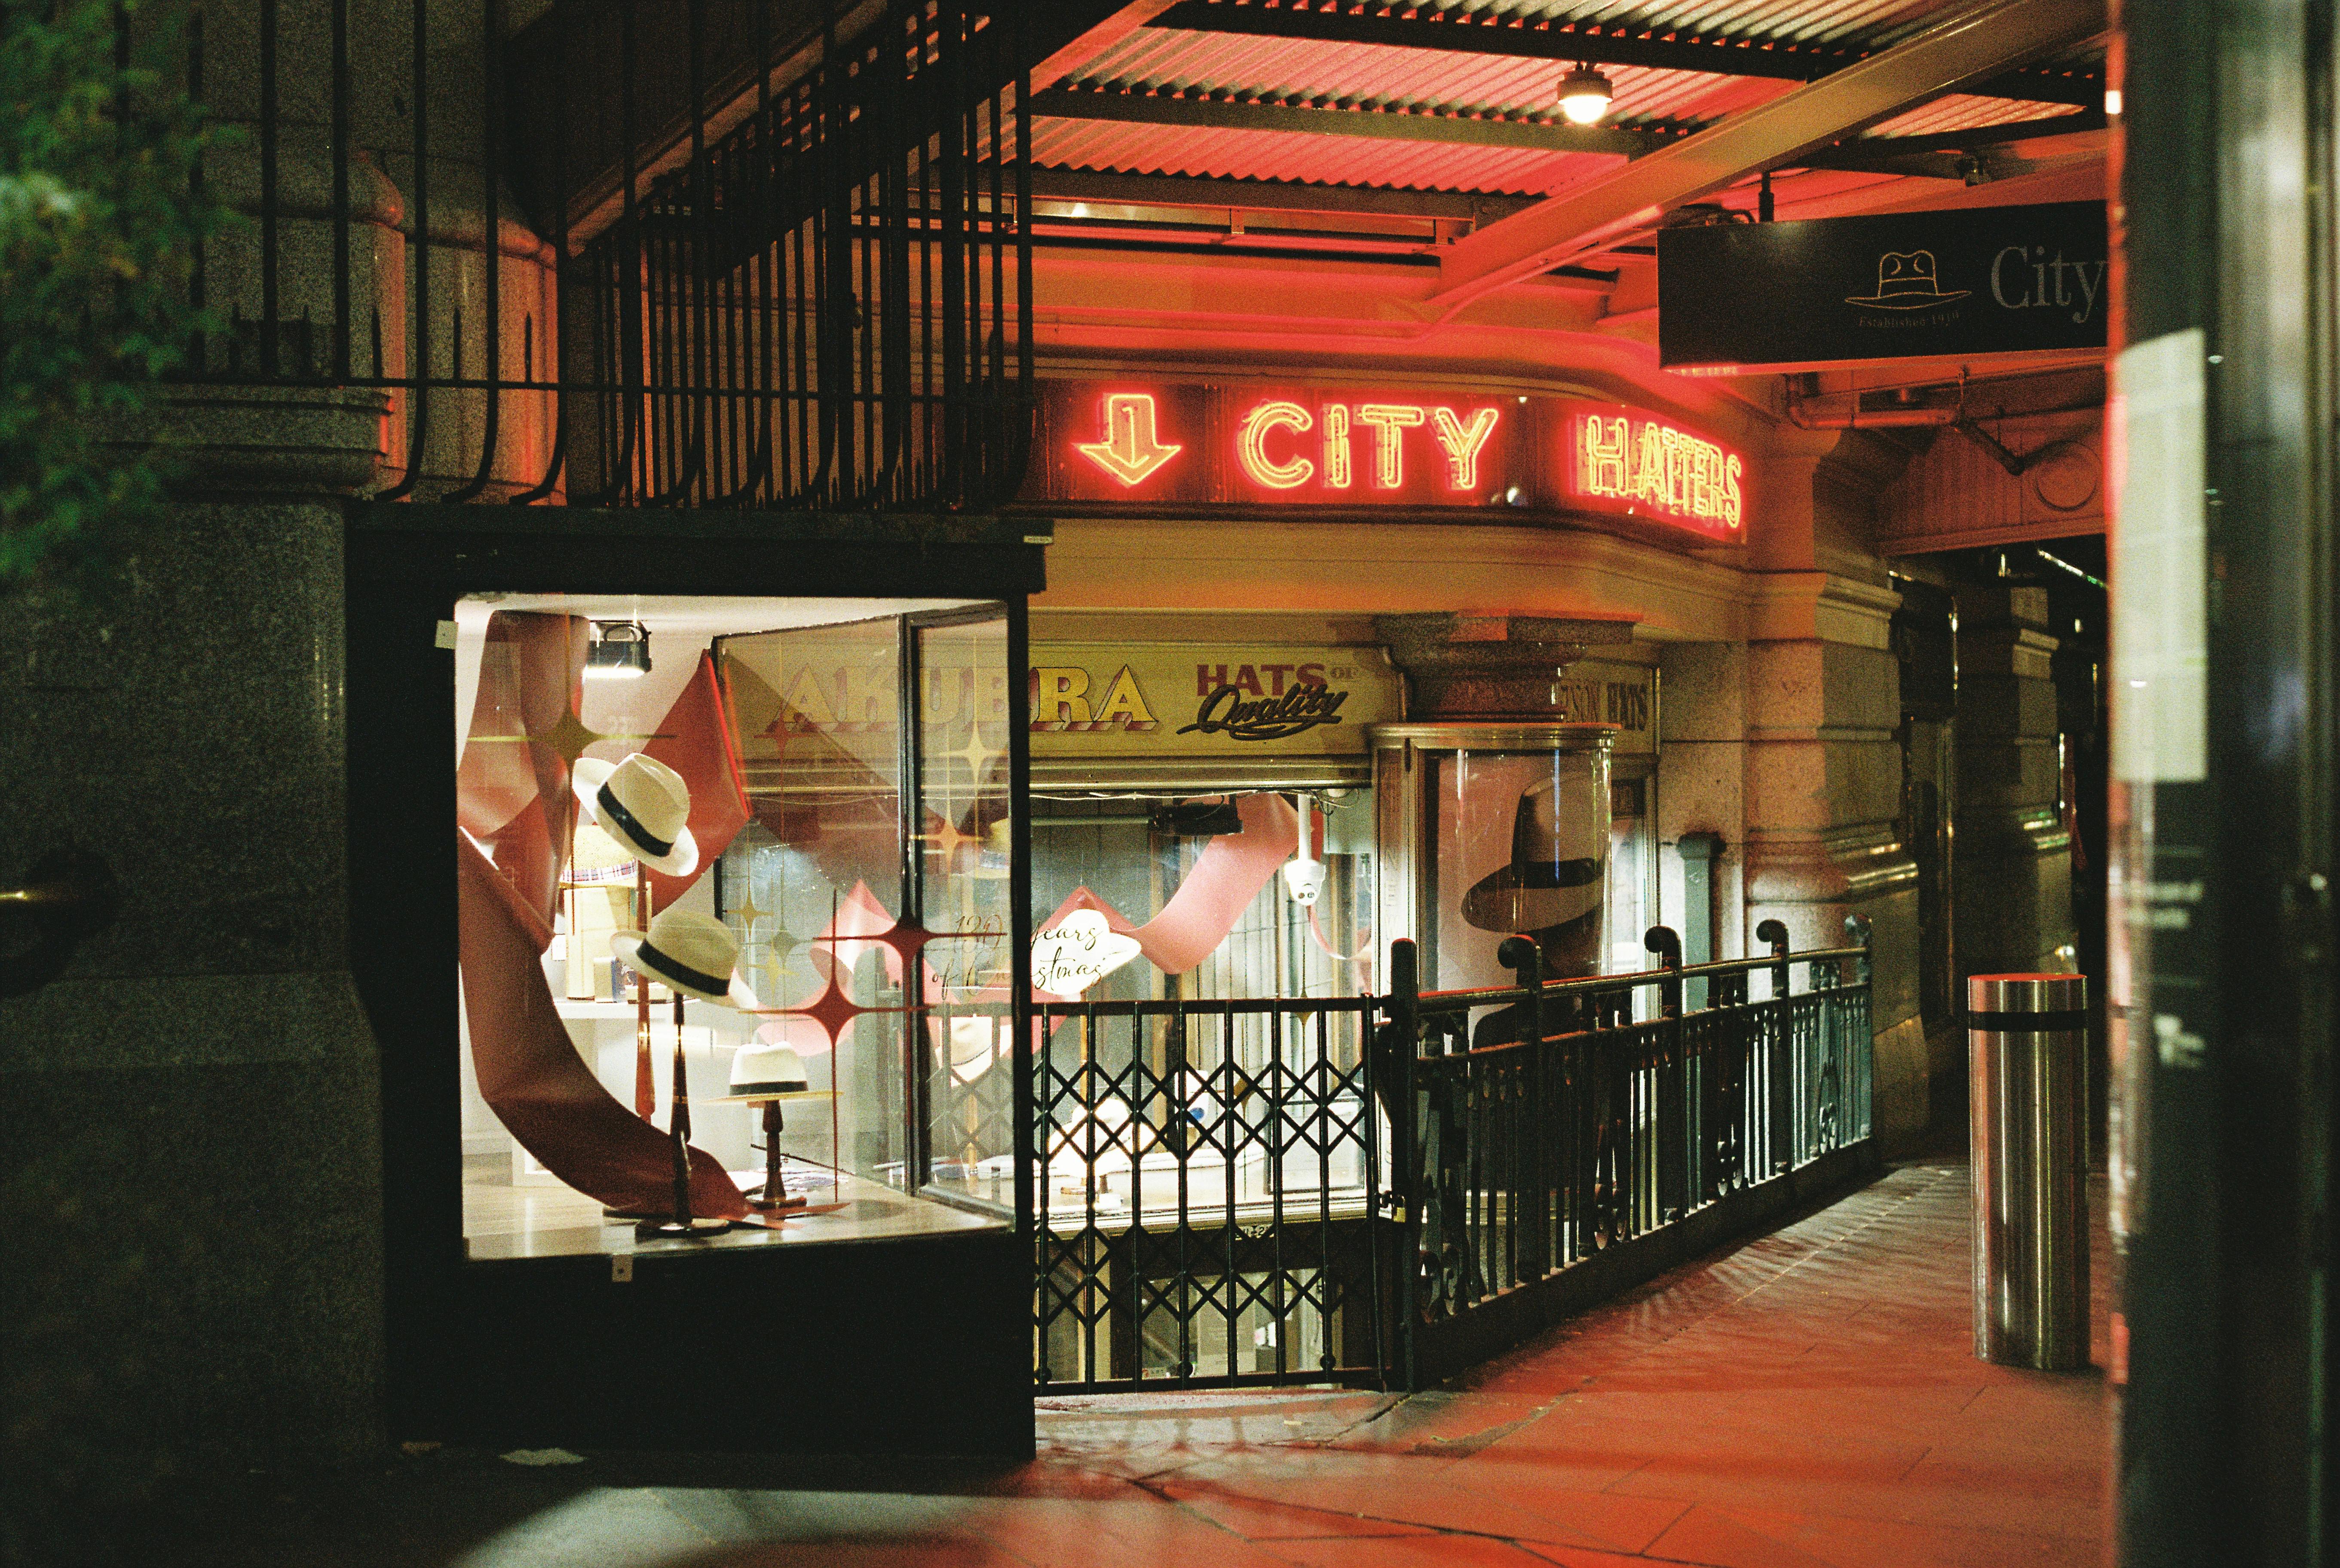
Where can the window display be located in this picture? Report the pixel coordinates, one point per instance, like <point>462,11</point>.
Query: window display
<point>1496,830</point>
<point>735,963</point>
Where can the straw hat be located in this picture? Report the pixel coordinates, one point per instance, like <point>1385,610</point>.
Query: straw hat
<point>694,953</point>
<point>644,805</point>
<point>767,1072</point>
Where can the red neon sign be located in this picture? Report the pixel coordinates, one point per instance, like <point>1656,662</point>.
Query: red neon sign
<point>1130,451</point>
<point>1187,444</point>
<point>1648,463</point>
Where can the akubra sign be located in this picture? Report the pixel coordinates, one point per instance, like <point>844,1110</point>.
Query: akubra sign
<point>1900,286</point>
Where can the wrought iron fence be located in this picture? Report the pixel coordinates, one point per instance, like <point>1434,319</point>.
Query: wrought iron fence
<point>747,253</point>
<point>1278,1192</point>
<point>1548,1126</point>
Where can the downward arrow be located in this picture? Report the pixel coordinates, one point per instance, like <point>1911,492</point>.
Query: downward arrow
<point>1129,451</point>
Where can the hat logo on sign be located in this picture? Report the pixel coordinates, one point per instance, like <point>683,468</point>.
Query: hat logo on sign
<point>691,953</point>
<point>642,804</point>
<point>1906,281</point>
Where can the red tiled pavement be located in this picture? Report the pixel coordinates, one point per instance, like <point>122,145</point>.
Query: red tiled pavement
<point>1809,1399</point>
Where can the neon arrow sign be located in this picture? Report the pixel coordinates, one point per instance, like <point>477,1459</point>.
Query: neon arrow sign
<point>1130,451</point>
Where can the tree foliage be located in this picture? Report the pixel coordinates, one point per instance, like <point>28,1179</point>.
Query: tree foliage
<point>101,210</point>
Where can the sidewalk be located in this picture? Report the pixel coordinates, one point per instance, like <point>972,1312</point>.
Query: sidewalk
<point>1809,1398</point>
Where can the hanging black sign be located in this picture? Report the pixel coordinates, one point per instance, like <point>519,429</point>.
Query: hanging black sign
<point>1899,286</point>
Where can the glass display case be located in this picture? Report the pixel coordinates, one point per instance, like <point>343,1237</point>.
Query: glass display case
<point>1489,831</point>
<point>735,956</point>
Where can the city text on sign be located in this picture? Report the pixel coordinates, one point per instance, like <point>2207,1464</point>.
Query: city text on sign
<point>1203,446</point>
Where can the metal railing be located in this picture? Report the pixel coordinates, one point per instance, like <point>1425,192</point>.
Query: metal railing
<point>733,254</point>
<point>1296,1190</point>
<point>1549,1124</point>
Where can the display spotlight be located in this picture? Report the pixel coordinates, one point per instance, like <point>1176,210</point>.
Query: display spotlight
<point>1584,96</point>
<point>620,651</point>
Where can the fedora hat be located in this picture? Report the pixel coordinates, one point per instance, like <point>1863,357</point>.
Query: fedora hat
<point>644,805</point>
<point>694,953</point>
<point>1906,281</point>
<point>1548,883</point>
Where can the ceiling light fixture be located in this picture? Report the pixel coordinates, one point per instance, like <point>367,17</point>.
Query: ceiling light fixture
<point>1584,96</point>
<point>620,650</point>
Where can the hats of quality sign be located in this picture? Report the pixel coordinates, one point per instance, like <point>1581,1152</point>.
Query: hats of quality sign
<point>1901,286</point>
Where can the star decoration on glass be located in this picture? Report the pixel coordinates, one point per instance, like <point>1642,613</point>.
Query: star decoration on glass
<point>975,754</point>
<point>947,839</point>
<point>775,734</point>
<point>832,1010</point>
<point>780,944</point>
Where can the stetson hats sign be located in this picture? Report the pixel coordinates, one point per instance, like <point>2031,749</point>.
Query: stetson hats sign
<point>1903,285</point>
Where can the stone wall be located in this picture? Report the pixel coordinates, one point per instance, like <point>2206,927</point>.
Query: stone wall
<point>192,1212</point>
<point>2013,867</point>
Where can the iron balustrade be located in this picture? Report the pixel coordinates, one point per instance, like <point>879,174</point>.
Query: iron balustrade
<point>1294,1190</point>
<point>1549,1124</point>
<point>715,254</point>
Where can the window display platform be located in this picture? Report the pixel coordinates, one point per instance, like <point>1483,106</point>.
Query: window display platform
<point>502,1221</point>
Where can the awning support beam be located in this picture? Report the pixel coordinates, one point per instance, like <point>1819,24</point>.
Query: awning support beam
<point>1971,46</point>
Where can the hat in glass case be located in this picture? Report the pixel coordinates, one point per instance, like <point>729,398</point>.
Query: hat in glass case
<point>642,804</point>
<point>694,953</point>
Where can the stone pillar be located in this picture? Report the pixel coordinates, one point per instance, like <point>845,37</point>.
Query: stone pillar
<point>1702,779</point>
<point>191,1195</point>
<point>1488,666</point>
<point>1822,792</point>
<point>2012,860</point>
<point>190,1198</point>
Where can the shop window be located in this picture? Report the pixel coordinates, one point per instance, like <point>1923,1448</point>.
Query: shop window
<point>1521,846</point>
<point>1207,886</point>
<point>735,912</point>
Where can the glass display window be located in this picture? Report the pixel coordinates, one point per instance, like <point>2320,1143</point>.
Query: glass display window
<point>735,955</point>
<point>1492,831</point>
<point>1215,890</point>
<point>1185,1110</point>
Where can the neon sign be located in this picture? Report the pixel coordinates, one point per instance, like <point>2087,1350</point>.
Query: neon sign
<point>1130,451</point>
<point>1675,474</point>
<point>1275,426</point>
<point>1199,445</point>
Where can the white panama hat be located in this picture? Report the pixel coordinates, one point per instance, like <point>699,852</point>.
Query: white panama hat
<point>694,953</point>
<point>642,804</point>
<point>758,1071</point>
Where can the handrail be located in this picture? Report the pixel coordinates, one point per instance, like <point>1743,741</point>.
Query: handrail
<point>1488,995</point>
<point>1169,1006</point>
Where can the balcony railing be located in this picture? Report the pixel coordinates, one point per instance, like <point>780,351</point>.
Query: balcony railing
<point>742,253</point>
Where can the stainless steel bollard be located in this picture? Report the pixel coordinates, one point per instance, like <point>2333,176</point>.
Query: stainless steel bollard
<point>2028,1064</point>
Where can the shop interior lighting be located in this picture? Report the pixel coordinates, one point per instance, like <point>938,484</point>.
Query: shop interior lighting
<point>620,650</point>
<point>1584,96</point>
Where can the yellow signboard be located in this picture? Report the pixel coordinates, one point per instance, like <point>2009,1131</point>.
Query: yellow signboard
<point>1204,699</point>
